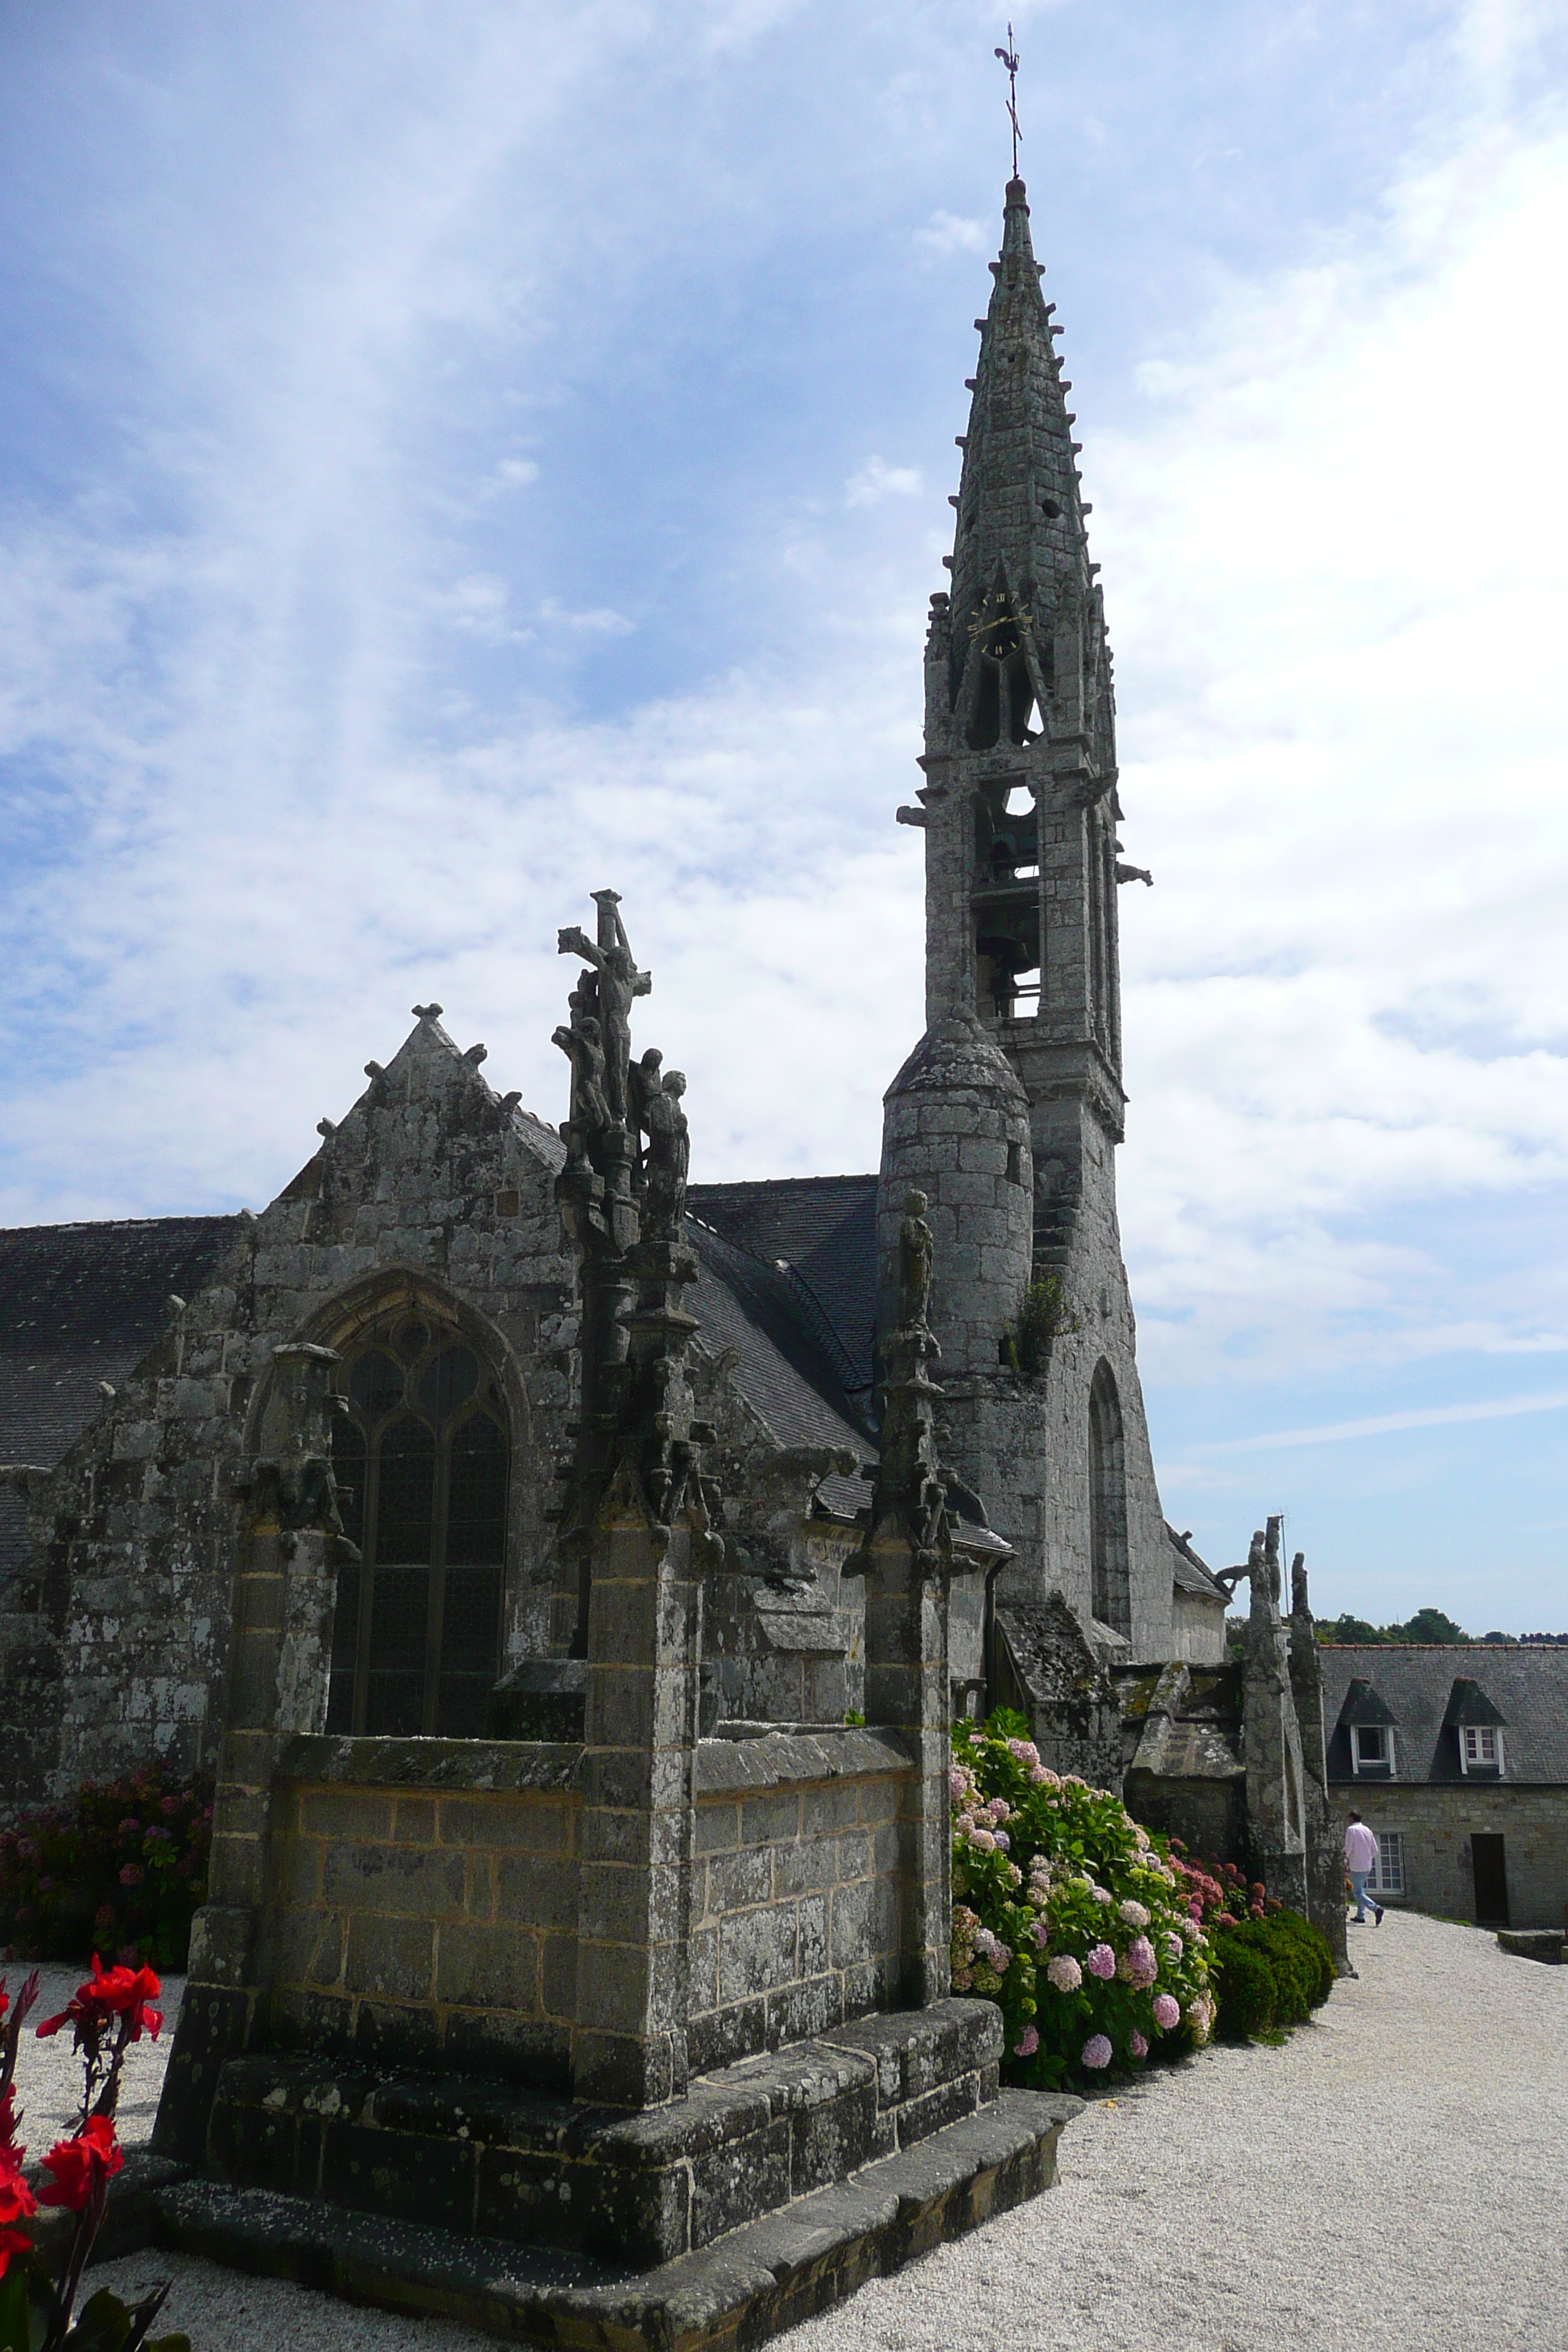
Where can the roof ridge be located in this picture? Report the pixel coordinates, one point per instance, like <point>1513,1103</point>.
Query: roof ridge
<point>126,1224</point>
<point>755,1184</point>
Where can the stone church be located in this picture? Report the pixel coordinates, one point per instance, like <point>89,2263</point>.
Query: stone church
<point>421,1245</point>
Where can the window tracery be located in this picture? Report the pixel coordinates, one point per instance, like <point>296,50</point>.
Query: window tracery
<point>422,1459</point>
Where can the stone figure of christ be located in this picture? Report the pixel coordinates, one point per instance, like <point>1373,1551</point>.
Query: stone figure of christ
<point>620,982</point>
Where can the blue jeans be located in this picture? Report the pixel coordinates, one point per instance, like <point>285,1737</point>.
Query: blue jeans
<point>1359,1895</point>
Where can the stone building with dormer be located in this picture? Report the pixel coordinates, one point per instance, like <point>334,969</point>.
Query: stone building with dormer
<point>1456,1756</point>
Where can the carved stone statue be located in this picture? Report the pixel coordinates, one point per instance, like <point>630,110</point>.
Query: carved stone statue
<point>581,1043</point>
<point>644,1080</point>
<point>668,1153</point>
<point>619,983</point>
<point>914,1265</point>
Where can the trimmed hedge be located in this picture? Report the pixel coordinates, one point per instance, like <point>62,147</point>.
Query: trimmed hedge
<point>1269,1974</point>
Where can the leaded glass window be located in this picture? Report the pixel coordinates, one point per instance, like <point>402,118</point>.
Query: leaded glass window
<point>421,1461</point>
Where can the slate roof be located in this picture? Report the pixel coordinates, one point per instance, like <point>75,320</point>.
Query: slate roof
<point>1191,1574</point>
<point>1526,1683</point>
<point>825,1230</point>
<point>783,1367</point>
<point>81,1304</point>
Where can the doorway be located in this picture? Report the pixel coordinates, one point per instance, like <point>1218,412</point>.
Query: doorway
<point>1491,1881</point>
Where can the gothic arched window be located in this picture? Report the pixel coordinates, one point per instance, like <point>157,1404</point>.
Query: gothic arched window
<point>1110,1598</point>
<point>421,1458</point>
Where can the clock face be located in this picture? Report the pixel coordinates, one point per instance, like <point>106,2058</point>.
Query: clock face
<point>999,630</point>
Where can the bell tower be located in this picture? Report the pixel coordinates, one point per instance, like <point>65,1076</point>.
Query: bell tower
<point>1020,811</point>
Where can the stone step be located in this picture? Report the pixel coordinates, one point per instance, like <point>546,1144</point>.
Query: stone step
<point>473,2154</point>
<point>1534,1943</point>
<point>756,2282</point>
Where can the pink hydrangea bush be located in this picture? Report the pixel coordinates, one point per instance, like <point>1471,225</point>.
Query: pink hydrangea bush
<point>1069,1915</point>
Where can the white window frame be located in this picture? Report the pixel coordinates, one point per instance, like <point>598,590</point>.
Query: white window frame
<point>1390,1848</point>
<point>1479,1761</point>
<point>1381,1764</point>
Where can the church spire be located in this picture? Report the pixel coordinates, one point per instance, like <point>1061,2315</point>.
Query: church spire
<point>1020,533</point>
<point>1019,803</point>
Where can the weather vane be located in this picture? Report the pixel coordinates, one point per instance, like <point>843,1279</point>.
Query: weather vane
<point>1009,57</point>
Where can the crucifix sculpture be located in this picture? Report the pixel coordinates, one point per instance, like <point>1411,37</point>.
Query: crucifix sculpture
<point>623,1201</point>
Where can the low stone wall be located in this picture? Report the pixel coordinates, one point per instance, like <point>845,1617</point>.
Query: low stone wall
<point>423,1905</point>
<point>426,1903</point>
<point>1438,1824</point>
<point>796,1904</point>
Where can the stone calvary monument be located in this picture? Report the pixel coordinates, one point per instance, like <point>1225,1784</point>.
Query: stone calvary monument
<point>571,1573</point>
<point>634,2031</point>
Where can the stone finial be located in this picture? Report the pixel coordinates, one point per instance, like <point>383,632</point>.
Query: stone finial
<point>476,1055</point>
<point>427,1012</point>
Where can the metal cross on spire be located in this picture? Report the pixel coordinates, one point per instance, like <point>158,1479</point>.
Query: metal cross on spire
<point>1009,57</point>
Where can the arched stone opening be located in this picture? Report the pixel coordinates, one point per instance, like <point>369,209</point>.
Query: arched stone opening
<point>1110,1598</point>
<point>424,1456</point>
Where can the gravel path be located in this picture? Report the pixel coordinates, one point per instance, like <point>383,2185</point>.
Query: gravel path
<point>1394,2175</point>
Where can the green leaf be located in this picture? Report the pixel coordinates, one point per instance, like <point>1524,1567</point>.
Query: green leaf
<point>101,2325</point>
<point>169,2344</point>
<point>16,2321</point>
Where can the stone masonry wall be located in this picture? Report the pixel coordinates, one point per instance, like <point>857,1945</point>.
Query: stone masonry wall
<point>795,1912</point>
<point>1094,1281</point>
<point>425,1903</point>
<point>1438,1825</point>
<point>424,1898</point>
<point>432,1184</point>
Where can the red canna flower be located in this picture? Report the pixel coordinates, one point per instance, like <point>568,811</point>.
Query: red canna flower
<point>118,1993</point>
<point>17,2204</point>
<point>78,2165</point>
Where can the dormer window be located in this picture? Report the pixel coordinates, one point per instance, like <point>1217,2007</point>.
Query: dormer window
<point>1480,1748</point>
<point>1371,1747</point>
<point>1477,1726</point>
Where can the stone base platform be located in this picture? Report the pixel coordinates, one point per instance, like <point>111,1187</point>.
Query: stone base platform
<point>751,2284</point>
<point>474,2155</point>
<point>1534,1943</point>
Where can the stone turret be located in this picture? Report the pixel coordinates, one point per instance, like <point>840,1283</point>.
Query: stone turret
<point>1019,812</point>
<point>956,1127</point>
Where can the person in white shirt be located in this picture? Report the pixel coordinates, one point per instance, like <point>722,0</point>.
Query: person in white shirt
<point>1360,1859</point>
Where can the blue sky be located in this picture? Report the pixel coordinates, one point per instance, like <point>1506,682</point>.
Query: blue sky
<point>454,455</point>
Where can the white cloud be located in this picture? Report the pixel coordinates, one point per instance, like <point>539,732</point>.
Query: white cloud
<point>602,621</point>
<point>1337,568</point>
<point>1385,1424</point>
<point>946,232</point>
<point>876,481</point>
<point>279,809</point>
<point>515,473</point>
